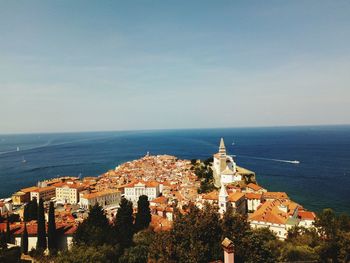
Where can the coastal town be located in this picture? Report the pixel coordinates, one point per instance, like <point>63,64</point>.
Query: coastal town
<point>169,183</point>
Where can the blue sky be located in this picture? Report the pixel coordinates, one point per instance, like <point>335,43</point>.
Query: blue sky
<point>115,65</point>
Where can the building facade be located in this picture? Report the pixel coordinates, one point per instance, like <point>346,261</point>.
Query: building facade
<point>69,193</point>
<point>46,193</point>
<point>133,191</point>
<point>224,167</point>
<point>104,198</point>
<point>277,215</point>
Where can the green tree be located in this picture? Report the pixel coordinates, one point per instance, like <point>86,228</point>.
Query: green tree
<point>3,243</point>
<point>124,223</point>
<point>195,237</point>
<point>95,230</point>
<point>327,224</point>
<point>8,232</point>
<point>301,236</point>
<point>24,240</point>
<point>143,215</point>
<point>344,222</point>
<point>51,232</point>
<point>328,227</point>
<point>10,255</point>
<point>139,252</point>
<point>89,254</point>
<point>260,246</point>
<point>208,161</point>
<point>235,227</point>
<point>31,210</point>
<point>161,250</point>
<point>135,254</point>
<point>41,235</point>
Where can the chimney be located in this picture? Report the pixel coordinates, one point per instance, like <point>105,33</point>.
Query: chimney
<point>227,245</point>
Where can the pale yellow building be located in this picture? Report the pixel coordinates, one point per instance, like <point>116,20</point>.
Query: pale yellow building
<point>69,193</point>
<point>46,193</point>
<point>103,198</point>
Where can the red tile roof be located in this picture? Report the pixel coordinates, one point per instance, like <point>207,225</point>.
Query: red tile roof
<point>255,187</point>
<point>275,195</point>
<point>234,197</point>
<point>214,195</point>
<point>253,196</point>
<point>306,215</point>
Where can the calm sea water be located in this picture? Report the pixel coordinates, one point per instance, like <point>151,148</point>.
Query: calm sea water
<point>322,179</point>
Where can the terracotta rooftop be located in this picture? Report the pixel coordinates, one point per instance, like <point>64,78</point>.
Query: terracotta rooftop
<point>100,193</point>
<point>43,189</point>
<point>146,183</point>
<point>275,195</point>
<point>29,189</point>
<point>160,200</point>
<point>255,187</point>
<point>234,197</point>
<point>270,211</point>
<point>306,215</point>
<point>160,223</point>
<point>253,196</point>
<point>214,195</point>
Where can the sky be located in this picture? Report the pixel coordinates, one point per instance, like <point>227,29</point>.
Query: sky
<point>130,65</point>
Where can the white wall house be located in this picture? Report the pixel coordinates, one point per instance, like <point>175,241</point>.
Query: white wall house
<point>253,201</point>
<point>104,198</point>
<point>69,193</point>
<point>277,215</point>
<point>64,233</point>
<point>306,218</point>
<point>133,191</point>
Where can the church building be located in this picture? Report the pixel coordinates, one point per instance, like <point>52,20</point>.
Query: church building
<point>224,167</point>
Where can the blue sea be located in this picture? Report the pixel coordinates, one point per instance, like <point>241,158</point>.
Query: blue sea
<point>320,180</point>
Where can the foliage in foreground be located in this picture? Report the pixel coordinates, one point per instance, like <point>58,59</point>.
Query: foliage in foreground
<point>197,234</point>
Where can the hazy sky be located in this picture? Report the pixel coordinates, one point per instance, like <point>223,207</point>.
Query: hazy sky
<point>113,65</point>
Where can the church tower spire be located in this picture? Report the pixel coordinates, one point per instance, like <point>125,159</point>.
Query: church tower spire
<point>222,153</point>
<point>222,148</point>
<point>223,199</point>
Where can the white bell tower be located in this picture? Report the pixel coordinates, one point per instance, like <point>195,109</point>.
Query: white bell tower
<point>223,199</point>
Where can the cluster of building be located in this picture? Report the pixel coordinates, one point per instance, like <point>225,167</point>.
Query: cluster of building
<point>169,183</point>
<point>273,210</point>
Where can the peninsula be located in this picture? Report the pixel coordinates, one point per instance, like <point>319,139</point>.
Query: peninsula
<point>169,183</point>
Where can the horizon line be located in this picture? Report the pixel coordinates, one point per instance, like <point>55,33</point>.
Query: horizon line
<point>174,129</point>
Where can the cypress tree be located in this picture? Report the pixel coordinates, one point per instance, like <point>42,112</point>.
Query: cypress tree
<point>124,223</point>
<point>95,230</point>
<point>33,210</point>
<point>8,231</point>
<point>143,216</point>
<point>26,215</point>
<point>51,232</point>
<point>41,241</point>
<point>24,240</point>
<point>3,243</point>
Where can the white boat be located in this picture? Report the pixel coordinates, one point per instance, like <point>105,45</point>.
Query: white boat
<point>17,149</point>
<point>295,161</point>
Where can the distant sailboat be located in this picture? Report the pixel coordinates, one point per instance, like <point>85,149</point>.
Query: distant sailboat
<point>23,160</point>
<point>17,149</point>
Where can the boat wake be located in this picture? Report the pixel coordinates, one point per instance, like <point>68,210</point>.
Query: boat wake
<point>51,144</point>
<point>270,159</point>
